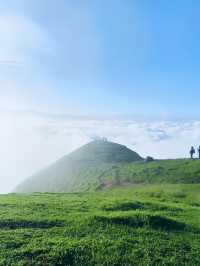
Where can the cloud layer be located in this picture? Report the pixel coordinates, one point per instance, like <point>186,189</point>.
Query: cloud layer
<point>31,141</point>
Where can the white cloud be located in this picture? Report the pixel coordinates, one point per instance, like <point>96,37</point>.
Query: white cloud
<point>38,61</point>
<point>21,40</point>
<point>19,37</point>
<point>31,141</point>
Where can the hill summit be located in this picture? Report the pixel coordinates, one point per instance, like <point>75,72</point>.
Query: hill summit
<point>81,170</point>
<point>104,152</point>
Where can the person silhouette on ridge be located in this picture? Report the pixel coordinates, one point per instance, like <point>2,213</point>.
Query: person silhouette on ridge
<point>192,152</point>
<point>199,151</point>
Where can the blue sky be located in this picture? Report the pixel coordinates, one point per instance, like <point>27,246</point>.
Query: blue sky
<point>124,57</point>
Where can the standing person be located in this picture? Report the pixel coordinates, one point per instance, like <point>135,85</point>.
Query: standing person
<point>192,152</point>
<point>199,151</point>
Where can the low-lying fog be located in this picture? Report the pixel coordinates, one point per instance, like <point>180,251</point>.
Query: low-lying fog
<point>30,141</point>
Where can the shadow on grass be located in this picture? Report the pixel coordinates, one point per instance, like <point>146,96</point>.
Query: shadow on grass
<point>143,220</point>
<point>12,224</point>
<point>129,206</point>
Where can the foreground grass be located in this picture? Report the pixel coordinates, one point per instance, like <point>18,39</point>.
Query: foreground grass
<point>139,225</point>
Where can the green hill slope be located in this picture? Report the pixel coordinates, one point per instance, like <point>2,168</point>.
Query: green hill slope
<point>159,171</point>
<point>99,165</point>
<point>80,170</point>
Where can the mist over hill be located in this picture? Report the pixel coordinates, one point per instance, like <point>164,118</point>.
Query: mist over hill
<point>81,170</point>
<point>101,164</point>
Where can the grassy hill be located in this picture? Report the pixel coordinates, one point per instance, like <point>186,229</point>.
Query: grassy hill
<point>102,164</point>
<point>66,176</point>
<point>80,170</point>
<point>139,225</point>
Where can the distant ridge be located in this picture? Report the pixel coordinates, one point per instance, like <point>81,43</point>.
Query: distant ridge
<point>81,170</point>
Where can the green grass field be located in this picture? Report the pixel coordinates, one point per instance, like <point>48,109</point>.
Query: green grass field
<point>137,225</point>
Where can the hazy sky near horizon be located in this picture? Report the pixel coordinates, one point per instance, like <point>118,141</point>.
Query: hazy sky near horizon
<point>31,141</point>
<point>126,70</point>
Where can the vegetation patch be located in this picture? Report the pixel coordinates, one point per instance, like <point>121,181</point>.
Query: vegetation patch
<point>179,194</point>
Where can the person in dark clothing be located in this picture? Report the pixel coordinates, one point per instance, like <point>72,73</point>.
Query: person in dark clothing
<point>192,152</point>
<point>199,151</point>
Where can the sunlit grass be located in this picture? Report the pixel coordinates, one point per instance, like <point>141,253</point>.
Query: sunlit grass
<point>141,225</point>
